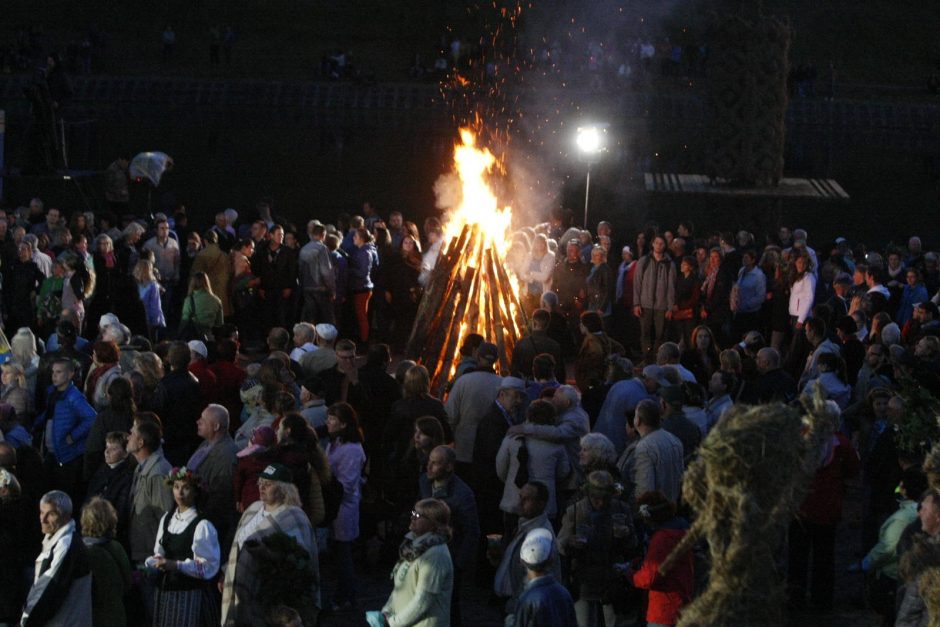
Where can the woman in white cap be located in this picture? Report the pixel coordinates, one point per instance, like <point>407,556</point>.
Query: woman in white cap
<point>424,575</point>
<point>278,511</point>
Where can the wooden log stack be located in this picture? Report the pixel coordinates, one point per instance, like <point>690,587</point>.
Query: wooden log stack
<point>469,291</point>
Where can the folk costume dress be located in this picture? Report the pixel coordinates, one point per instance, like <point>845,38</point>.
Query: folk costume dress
<point>186,597</point>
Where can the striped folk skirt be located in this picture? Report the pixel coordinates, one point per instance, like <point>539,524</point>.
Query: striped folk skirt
<point>187,608</point>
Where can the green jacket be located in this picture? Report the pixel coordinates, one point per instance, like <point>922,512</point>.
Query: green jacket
<point>208,310</point>
<point>883,557</point>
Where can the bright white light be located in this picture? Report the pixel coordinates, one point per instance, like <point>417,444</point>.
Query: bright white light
<point>590,140</point>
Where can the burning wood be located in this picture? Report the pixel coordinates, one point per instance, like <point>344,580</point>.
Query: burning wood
<point>470,290</point>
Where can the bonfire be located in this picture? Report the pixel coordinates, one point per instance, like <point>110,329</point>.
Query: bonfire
<point>470,289</point>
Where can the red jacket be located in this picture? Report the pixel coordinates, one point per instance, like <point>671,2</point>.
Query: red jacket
<point>208,385</point>
<point>669,593</point>
<point>823,503</point>
<point>229,379</point>
<point>246,477</point>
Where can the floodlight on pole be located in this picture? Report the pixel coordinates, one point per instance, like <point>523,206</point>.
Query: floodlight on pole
<point>590,141</point>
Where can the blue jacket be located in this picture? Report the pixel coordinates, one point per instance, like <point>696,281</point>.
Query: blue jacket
<point>910,296</point>
<point>362,262</point>
<point>545,603</point>
<point>623,397</point>
<point>73,417</point>
<point>752,290</point>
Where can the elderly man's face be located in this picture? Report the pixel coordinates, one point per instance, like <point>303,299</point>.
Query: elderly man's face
<point>50,520</point>
<point>438,467</point>
<point>206,426</point>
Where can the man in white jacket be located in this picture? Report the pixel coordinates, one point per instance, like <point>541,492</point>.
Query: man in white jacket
<point>61,591</point>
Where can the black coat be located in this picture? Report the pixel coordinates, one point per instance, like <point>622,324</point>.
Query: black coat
<point>400,427</point>
<point>22,282</point>
<point>112,287</point>
<point>114,486</point>
<point>277,270</point>
<point>106,422</point>
<point>15,516</point>
<point>775,386</point>
<point>178,401</point>
<point>533,344</point>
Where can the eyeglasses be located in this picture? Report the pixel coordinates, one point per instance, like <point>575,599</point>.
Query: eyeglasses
<point>415,514</point>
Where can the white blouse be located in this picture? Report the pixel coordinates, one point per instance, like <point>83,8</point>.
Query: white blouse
<point>206,553</point>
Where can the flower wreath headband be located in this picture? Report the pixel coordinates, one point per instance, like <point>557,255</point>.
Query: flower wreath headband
<point>182,473</point>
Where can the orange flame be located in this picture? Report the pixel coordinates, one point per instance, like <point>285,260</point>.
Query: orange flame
<point>478,203</point>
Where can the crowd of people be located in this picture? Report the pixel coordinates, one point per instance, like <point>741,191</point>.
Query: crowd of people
<point>221,423</point>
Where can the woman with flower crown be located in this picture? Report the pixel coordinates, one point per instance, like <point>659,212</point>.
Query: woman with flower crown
<point>186,557</point>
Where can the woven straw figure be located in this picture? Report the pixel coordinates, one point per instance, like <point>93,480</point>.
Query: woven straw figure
<point>748,481</point>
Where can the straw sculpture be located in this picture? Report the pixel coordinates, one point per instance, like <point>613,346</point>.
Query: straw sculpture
<point>750,477</point>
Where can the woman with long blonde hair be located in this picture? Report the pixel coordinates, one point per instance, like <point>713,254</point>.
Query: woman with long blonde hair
<point>202,307</point>
<point>150,293</point>
<point>23,347</point>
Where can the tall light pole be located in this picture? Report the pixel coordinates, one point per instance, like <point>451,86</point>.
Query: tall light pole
<point>591,143</point>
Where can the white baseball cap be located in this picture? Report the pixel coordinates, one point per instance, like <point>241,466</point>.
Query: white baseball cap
<point>538,547</point>
<point>199,347</point>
